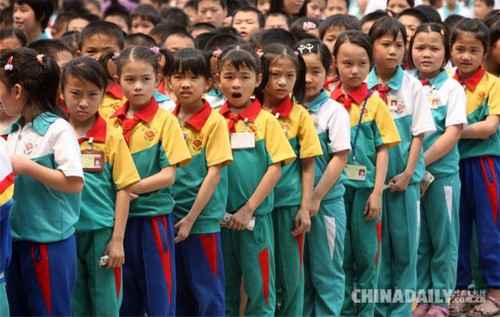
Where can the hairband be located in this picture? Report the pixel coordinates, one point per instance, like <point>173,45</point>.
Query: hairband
<point>309,47</point>
<point>217,53</point>
<point>9,66</point>
<point>307,26</point>
<point>155,50</point>
<point>39,59</point>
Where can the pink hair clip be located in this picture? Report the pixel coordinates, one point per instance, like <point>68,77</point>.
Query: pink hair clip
<point>9,66</point>
<point>308,26</point>
<point>217,53</point>
<point>39,59</point>
<point>155,50</point>
<point>115,56</point>
<point>259,52</point>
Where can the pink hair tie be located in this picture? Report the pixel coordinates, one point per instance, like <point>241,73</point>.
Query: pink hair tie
<point>115,56</point>
<point>9,66</point>
<point>308,26</point>
<point>217,53</point>
<point>155,50</point>
<point>259,52</point>
<point>39,59</point>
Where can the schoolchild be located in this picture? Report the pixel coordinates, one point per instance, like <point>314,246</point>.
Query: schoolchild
<point>291,212</point>
<point>373,132</point>
<point>109,171</point>
<point>479,163</point>
<point>406,100</point>
<point>324,244</point>
<point>6,202</point>
<point>439,221</point>
<point>46,161</point>
<point>157,146</point>
<point>200,189</point>
<point>259,149</point>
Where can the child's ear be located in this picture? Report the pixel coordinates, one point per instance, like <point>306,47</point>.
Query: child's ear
<point>78,53</point>
<point>216,80</point>
<point>258,80</point>
<point>117,79</point>
<point>169,82</point>
<point>18,91</point>
<point>61,95</point>
<point>208,84</point>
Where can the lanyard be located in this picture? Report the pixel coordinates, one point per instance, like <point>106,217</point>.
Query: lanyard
<point>353,144</point>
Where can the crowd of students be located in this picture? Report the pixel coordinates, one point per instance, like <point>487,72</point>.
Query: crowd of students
<point>269,158</point>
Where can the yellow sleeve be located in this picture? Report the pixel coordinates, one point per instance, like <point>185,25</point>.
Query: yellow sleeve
<point>277,145</point>
<point>494,96</point>
<point>308,137</point>
<point>120,159</point>
<point>218,148</point>
<point>172,142</point>
<point>387,131</point>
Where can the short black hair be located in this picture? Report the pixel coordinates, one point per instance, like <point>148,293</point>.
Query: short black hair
<point>86,68</point>
<point>477,28</point>
<point>146,12</point>
<point>43,10</point>
<point>221,41</point>
<point>387,25</point>
<point>452,21</point>
<point>348,22</point>
<point>17,33</point>
<point>176,16</point>
<point>50,47</point>
<point>139,39</point>
<point>414,13</point>
<point>120,11</point>
<point>430,12</point>
<point>355,37</point>
<point>89,17</point>
<point>266,37</point>
<point>277,13</point>
<point>260,16</point>
<point>428,28</point>
<point>191,60</point>
<point>104,28</point>
<point>372,16</point>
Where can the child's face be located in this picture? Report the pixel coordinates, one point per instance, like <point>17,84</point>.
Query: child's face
<point>96,45</point>
<point>315,75</point>
<point>353,64</point>
<point>428,53</point>
<point>211,11</point>
<point>397,6</point>
<point>192,15</point>
<point>316,9</point>
<point>247,23</point>
<point>138,83</point>
<point>411,23</point>
<point>388,52</point>
<point>175,42</point>
<point>238,84</point>
<point>11,99</point>
<point>82,98</point>
<point>4,4</point>
<point>276,22</point>
<point>9,43</point>
<point>365,27</point>
<point>77,24</point>
<point>282,77</point>
<point>292,7</point>
<point>481,9</point>
<point>24,19</point>
<point>188,87</point>
<point>331,35</point>
<point>140,25</point>
<point>495,52</point>
<point>263,6</point>
<point>118,20</point>
<point>335,7</point>
<point>467,54</point>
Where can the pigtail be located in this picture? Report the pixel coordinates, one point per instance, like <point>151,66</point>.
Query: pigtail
<point>264,67</point>
<point>299,89</point>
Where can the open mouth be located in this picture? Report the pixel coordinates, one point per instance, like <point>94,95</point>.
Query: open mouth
<point>236,95</point>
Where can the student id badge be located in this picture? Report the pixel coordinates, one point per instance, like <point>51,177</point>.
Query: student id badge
<point>242,140</point>
<point>392,101</point>
<point>92,161</point>
<point>433,101</point>
<point>356,172</point>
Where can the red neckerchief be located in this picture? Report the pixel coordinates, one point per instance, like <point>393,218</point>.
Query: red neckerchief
<point>250,113</point>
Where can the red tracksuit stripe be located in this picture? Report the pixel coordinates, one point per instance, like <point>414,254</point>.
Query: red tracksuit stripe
<point>209,243</point>
<point>491,186</point>
<point>264,271</point>
<point>164,255</point>
<point>378,227</point>
<point>118,280</point>
<point>6,182</point>
<point>42,270</point>
<point>300,245</point>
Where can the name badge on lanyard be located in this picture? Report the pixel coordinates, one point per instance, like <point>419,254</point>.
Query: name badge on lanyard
<point>92,161</point>
<point>433,99</point>
<point>355,171</point>
<point>242,140</point>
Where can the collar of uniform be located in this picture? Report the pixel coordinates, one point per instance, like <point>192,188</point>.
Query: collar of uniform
<point>160,97</point>
<point>318,101</point>
<point>394,83</point>
<point>146,114</point>
<point>358,95</point>
<point>473,80</point>
<point>161,87</point>
<point>199,118</point>
<point>215,93</point>
<point>98,130</point>
<point>284,108</point>
<point>251,112</point>
<point>115,91</point>
<point>438,80</point>
<point>40,124</point>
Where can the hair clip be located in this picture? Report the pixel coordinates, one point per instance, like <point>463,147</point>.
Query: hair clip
<point>442,32</point>
<point>115,56</point>
<point>9,66</point>
<point>296,53</point>
<point>259,52</point>
<point>39,59</point>
<point>155,50</point>
<point>307,26</point>
<point>217,53</point>
<point>303,47</point>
